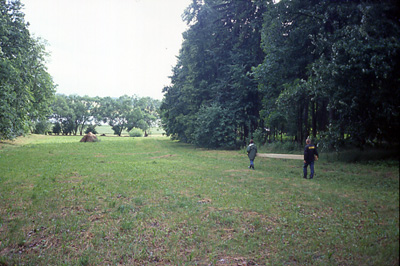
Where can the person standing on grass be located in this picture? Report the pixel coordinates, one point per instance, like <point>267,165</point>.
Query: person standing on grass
<point>251,152</point>
<point>310,154</point>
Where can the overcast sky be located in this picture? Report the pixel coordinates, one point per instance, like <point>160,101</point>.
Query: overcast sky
<point>109,47</point>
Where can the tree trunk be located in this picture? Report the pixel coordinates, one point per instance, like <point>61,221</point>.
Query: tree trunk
<point>305,118</point>
<point>314,118</point>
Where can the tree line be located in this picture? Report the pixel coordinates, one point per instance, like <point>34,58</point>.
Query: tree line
<point>73,114</point>
<point>299,68</point>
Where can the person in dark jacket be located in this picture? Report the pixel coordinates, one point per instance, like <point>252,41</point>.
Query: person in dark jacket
<point>310,154</point>
<point>251,152</point>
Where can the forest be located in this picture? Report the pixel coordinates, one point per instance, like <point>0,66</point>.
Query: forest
<point>328,70</point>
<point>268,70</point>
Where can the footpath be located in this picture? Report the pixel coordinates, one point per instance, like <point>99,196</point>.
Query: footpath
<point>281,156</point>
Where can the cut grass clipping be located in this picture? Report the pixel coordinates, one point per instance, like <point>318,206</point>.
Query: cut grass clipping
<point>153,201</point>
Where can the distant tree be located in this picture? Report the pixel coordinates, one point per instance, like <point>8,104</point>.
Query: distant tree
<point>149,109</point>
<point>121,114</point>
<point>91,128</point>
<point>57,128</point>
<point>83,109</point>
<point>63,114</point>
<point>41,127</point>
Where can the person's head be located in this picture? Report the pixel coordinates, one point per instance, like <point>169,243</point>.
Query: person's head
<point>251,141</point>
<point>308,141</point>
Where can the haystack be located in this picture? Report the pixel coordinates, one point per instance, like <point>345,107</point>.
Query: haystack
<point>89,137</point>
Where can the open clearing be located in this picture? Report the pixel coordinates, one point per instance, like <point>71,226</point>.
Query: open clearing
<point>153,201</point>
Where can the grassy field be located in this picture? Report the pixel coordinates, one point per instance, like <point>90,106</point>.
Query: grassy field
<point>153,201</point>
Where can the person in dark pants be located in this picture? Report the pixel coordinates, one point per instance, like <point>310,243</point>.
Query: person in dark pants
<point>310,154</point>
<point>252,152</point>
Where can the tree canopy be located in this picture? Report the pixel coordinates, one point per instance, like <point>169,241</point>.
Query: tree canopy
<point>26,88</point>
<point>73,113</point>
<point>326,69</point>
<point>218,52</point>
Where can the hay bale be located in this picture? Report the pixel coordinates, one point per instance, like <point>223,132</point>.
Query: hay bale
<point>89,137</point>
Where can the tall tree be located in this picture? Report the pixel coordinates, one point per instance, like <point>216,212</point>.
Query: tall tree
<point>358,70</point>
<point>149,109</point>
<point>63,114</point>
<point>219,49</point>
<point>26,89</point>
<point>332,68</point>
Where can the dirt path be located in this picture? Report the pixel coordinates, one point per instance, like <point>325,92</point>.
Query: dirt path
<point>281,156</point>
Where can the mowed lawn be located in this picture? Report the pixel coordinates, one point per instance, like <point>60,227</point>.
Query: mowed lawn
<point>153,201</point>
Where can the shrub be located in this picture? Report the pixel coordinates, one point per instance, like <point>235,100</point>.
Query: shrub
<point>136,132</point>
<point>91,128</point>
<point>215,128</point>
<point>57,128</point>
<point>41,127</point>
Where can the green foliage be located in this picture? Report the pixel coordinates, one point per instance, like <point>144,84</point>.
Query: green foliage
<point>326,68</point>
<point>218,51</point>
<point>285,146</point>
<point>41,127</point>
<point>215,128</point>
<point>57,128</point>
<point>259,136</point>
<point>331,68</point>
<point>91,128</point>
<point>75,113</point>
<point>136,132</point>
<point>26,89</point>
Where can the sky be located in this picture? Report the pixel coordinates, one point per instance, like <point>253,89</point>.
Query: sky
<point>109,47</point>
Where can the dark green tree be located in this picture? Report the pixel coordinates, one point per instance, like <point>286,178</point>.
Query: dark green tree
<point>63,115</point>
<point>26,89</point>
<point>358,72</point>
<point>219,49</point>
<point>332,68</point>
<point>215,127</point>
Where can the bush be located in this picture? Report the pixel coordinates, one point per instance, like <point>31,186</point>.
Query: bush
<point>57,128</point>
<point>259,136</point>
<point>42,127</point>
<point>283,147</point>
<point>215,128</point>
<point>91,128</point>
<point>136,132</point>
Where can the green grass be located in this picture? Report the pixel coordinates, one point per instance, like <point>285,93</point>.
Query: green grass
<point>153,201</point>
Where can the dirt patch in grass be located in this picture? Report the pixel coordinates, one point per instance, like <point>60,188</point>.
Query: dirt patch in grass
<point>204,201</point>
